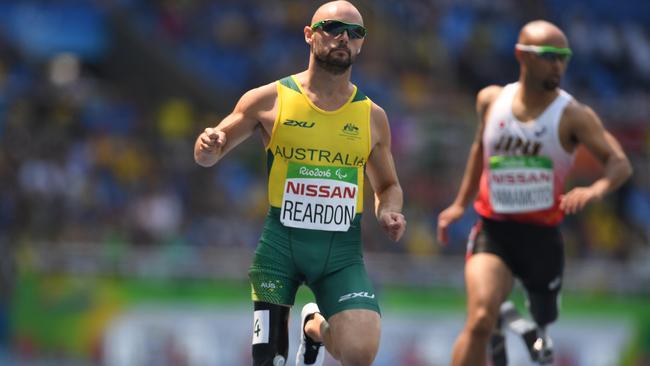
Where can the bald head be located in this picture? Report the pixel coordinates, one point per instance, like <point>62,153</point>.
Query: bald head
<point>338,10</point>
<point>542,33</point>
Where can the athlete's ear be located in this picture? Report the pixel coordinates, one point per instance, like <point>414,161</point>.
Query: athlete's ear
<point>309,33</point>
<point>519,55</point>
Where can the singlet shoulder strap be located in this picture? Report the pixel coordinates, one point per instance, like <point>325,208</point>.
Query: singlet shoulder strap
<point>288,82</point>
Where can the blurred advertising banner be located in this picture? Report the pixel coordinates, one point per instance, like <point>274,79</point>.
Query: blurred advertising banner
<point>123,322</point>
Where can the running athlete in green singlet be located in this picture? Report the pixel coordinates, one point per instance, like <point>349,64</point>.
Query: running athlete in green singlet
<point>321,134</point>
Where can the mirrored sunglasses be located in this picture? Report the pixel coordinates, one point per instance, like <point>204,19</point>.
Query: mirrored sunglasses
<point>336,27</point>
<point>549,53</point>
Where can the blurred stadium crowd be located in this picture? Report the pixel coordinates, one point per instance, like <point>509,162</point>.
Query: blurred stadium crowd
<point>100,102</point>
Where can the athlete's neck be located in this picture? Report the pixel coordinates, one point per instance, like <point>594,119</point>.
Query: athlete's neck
<point>322,82</point>
<point>326,90</point>
<point>535,97</point>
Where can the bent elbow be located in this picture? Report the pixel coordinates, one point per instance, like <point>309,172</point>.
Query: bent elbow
<point>629,170</point>
<point>203,161</point>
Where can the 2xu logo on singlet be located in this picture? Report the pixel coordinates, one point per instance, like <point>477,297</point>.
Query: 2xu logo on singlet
<point>319,197</point>
<point>521,184</point>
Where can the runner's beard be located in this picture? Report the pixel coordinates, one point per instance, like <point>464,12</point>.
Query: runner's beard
<point>551,84</point>
<point>333,64</point>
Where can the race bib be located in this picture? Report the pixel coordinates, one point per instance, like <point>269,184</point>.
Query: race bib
<point>520,184</point>
<point>319,197</point>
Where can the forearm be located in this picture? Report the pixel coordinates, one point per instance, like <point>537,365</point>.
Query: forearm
<point>390,199</point>
<point>471,178</point>
<point>617,171</point>
<point>215,142</point>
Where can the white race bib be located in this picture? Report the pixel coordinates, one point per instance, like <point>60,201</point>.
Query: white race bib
<point>520,184</point>
<point>319,197</point>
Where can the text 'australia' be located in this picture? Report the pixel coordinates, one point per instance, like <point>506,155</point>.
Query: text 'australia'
<point>319,155</point>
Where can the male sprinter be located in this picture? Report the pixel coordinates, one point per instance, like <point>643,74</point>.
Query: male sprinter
<point>523,150</point>
<point>320,133</point>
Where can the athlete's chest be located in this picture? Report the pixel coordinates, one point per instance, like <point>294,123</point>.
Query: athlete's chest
<point>299,125</point>
<point>319,134</point>
<point>513,131</point>
<point>300,128</point>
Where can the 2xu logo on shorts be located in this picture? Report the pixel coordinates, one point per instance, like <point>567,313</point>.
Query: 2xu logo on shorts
<point>353,295</point>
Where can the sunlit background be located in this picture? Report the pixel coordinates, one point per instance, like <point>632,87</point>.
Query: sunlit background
<point>118,250</point>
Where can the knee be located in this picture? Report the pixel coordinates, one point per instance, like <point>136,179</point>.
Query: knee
<point>481,321</point>
<point>357,356</point>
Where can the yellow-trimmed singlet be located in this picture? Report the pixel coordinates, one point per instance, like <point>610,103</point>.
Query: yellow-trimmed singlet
<point>316,159</point>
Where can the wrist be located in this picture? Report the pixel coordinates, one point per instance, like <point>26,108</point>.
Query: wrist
<point>386,211</point>
<point>206,158</point>
<point>600,188</point>
<point>459,205</point>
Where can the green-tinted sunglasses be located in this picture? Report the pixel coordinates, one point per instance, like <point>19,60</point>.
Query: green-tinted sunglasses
<point>336,27</point>
<point>548,53</point>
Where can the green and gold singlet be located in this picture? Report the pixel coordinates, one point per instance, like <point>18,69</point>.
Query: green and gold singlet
<point>312,234</point>
<point>316,160</point>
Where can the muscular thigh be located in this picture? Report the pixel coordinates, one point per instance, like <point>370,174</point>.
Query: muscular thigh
<point>488,280</point>
<point>334,270</point>
<point>345,288</point>
<point>488,271</point>
<point>356,328</point>
<point>330,263</point>
<point>273,275</point>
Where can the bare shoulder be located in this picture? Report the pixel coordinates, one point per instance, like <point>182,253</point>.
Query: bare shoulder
<point>579,124</point>
<point>378,115</point>
<point>486,96</point>
<point>259,99</point>
<point>379,129</point>
<point>578,116</point>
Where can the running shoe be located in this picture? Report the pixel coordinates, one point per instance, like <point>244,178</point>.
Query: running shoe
<point>310,352</point>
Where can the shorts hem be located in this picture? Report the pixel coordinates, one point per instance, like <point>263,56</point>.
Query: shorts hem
<point>357,305</point>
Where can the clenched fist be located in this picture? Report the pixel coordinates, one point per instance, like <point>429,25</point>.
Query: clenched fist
<point>212,140</point>
<point>393,224</point>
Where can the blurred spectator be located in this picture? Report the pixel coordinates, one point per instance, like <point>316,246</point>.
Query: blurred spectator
<point>85,155</point>
<point>100,101</point>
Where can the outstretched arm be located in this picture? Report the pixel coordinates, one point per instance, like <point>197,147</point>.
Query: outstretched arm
<point>473,170</point>
<point>586,128</point>
<point>383,177</point>
<point>214,142</point>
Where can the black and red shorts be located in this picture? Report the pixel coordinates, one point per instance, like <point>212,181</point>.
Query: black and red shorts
<point>534,254</point>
